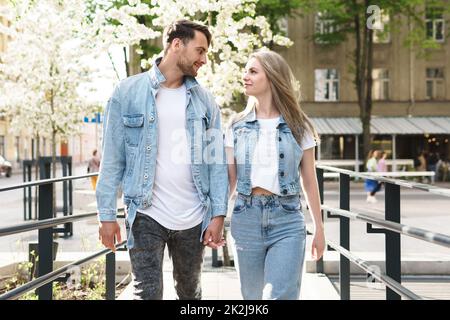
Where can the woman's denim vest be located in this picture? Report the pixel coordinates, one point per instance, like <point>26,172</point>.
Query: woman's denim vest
<point>246,132</point>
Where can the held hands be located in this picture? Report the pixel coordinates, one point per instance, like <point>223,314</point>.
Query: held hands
<point>108,232</point>
<point>213,234</point>
<point>318,244</point>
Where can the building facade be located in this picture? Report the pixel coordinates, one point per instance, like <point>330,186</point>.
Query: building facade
<point>411,94</point>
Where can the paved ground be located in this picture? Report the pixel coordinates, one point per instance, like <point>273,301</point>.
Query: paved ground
<point>429,288</point>
<point>223,284</point>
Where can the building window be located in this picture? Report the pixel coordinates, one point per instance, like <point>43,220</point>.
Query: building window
<point>380,85</point>
<point>435,23</point>
<point>435,83</point>
<point>326,85</point>
<point>2,146</point>
<point>381,33</point>
<point>324,26</point>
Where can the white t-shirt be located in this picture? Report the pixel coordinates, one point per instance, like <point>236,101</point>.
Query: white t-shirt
<point>175,201</point>
<point>264,173</point>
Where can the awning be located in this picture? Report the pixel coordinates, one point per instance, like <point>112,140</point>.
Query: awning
<point>383,125</point>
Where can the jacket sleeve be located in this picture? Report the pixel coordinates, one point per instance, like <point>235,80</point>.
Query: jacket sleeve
<point>112,165</point>
<point>218,171</point>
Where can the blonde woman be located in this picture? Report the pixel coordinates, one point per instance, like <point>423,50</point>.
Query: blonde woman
<point>269,146</point>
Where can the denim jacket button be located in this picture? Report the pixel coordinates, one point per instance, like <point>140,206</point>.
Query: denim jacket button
<point>149,148</point>
<point>279,138</point>
<point>281,155</point>
<point>151,119</point>
<point>284,191</point>
<point>145,176</point>
<point>282,173</point>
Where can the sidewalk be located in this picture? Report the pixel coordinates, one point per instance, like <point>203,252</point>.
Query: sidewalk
<point>223,284</point>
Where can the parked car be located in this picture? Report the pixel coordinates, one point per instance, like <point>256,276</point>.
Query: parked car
<point>5,167</point>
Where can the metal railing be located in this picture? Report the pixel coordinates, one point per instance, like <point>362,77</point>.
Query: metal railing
<point>390,227</point>
<point>45,225</point>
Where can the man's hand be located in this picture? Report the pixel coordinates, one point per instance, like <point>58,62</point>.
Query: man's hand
<point>108,232</point>
<point>213,234</point>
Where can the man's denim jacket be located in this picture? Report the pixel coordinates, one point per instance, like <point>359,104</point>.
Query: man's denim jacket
<point>129,148</point>
<point>245,132</point>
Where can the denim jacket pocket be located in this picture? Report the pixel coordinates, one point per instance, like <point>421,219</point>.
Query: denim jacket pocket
<point>133,132</point>
<point>290,204</point>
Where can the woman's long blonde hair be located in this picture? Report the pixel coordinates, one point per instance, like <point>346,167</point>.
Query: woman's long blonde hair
<point>285,95</point>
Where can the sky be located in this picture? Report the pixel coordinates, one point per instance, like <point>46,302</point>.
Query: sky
<point>104,87</point>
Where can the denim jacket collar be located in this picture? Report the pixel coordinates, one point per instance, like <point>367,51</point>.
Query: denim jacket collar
<point>156,77</point>
<point>251,117</point>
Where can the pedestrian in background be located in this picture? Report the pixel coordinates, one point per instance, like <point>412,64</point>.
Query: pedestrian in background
<point>94,166</point>
<point>381,165</point>
<point>372,186</point>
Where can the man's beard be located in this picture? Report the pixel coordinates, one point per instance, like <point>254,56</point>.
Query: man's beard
<point>186,68</point>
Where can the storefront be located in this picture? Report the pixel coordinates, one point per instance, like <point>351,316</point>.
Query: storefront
<point>400,137</point>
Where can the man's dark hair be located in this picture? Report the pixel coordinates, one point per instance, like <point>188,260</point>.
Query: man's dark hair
<point>185,31</point>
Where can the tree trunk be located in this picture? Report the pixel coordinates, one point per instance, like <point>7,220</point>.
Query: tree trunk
<point>363,79</point>
<point>36,174</point>
<point>366,135</point>
<point>54,169</point>
<point>53,166</point>
<point>125,60</point>
<point>134,65</point>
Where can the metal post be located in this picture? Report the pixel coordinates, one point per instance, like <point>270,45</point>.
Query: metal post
<point>30,195</point>
<point>319,173</point>
<point>344,233</point>
<point>64,173</point>
<point>70,225</point>
<point>24,194</point>
<point>111,276</point>
<point>45,262</point>
<point>319,152</point>
<point>356,153</point>
<point>393,252</point>
<point>215,260</point>
<point>394,154</point>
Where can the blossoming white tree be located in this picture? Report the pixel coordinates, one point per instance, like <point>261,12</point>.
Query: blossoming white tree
<point>51,42</point>
<point>236,32</point>
<point>46,71</point>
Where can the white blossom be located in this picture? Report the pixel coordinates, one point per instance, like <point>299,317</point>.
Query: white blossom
<point>51,41</point>
<point>232,41</point>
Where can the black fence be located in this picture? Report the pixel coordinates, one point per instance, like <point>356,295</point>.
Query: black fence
<point>45,226</point>
<point>390,226</point>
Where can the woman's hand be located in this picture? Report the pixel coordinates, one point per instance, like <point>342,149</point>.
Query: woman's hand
<point>318,245</point>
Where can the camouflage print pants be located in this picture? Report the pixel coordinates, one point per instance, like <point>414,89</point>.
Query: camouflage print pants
<point>147,256</point>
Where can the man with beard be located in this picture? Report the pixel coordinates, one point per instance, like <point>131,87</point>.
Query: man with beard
<point>159,128</point>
